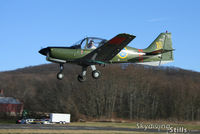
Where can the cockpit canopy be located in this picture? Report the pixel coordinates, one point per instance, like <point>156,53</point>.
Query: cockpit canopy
<point>89,43</point>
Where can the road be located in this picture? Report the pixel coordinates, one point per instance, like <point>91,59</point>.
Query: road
<point>67,127</point>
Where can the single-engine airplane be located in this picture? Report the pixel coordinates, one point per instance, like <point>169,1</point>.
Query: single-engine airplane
<point>92,51</point>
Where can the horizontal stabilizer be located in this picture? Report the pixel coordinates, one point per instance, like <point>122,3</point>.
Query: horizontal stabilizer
<point>159,52</point>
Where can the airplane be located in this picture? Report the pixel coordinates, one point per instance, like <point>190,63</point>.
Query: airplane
<point>92,51</point>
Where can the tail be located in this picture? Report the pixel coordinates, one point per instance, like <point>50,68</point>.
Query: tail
<point>162,46</point>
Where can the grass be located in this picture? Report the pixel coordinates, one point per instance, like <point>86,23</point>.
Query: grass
<point>188,125</point>
<point>104,124</point>
<point>37,131</point>
<point>7,121</point>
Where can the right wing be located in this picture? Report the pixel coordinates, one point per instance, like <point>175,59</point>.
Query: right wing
<point>109,50</point>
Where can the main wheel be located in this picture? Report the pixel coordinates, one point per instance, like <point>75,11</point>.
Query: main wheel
<point>96,74</point>
<point>60,76</point>
<point>81,78</point>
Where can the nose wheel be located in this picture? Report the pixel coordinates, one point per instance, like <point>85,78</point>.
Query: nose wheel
<point>60,75</point>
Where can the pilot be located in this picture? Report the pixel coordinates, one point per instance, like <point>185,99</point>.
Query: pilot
<point>91,45</point>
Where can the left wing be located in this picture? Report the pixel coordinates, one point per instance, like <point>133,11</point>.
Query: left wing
<point>109,50</point>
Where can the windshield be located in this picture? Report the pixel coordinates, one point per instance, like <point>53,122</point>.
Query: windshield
<point>89,43</point>
<point>77,44</point>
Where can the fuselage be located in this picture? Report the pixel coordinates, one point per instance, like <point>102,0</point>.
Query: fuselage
<point>126,55</point>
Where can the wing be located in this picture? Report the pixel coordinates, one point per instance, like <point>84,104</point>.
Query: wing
<point>109,50</point>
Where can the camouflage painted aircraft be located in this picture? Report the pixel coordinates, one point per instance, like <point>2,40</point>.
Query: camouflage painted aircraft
<point>92,51</point>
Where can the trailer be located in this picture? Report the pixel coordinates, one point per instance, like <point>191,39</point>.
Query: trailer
<point>59,118</point>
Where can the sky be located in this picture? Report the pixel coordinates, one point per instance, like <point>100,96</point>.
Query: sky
<point>26,26</point>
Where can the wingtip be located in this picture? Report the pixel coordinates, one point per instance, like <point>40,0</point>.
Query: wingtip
<point>126,34</point>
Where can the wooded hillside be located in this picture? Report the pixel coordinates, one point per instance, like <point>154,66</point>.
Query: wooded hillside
<point>134,92</point>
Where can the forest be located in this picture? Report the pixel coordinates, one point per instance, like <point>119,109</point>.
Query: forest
<point>125,91</point>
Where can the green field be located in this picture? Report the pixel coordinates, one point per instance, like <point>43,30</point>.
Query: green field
<point>188,125</point>
<point>18,131</point>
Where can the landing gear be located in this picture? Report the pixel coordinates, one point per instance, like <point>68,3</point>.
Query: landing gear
<point>96,74</point>
<point>82,77</point>
<point>60,75</point>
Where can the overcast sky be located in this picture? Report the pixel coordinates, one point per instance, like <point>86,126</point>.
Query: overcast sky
<point>28,25</point>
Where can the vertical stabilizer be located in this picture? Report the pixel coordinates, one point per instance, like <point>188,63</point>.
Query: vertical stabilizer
<point>161,47</point>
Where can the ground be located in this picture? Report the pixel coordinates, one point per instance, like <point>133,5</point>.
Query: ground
<point>100,128</point>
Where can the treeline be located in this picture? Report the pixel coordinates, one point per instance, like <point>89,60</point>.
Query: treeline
<point>130,92</point>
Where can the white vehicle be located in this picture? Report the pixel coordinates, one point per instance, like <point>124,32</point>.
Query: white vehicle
<point>59,118</point>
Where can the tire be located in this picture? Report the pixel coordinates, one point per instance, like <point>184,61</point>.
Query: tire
<point>96,74</point>
<point>60,76</point>
<point>81,78</point>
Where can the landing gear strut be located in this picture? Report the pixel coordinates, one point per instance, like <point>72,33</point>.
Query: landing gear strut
<point>82,77</point>
<point>95,73</point>
<point>60,75</point>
